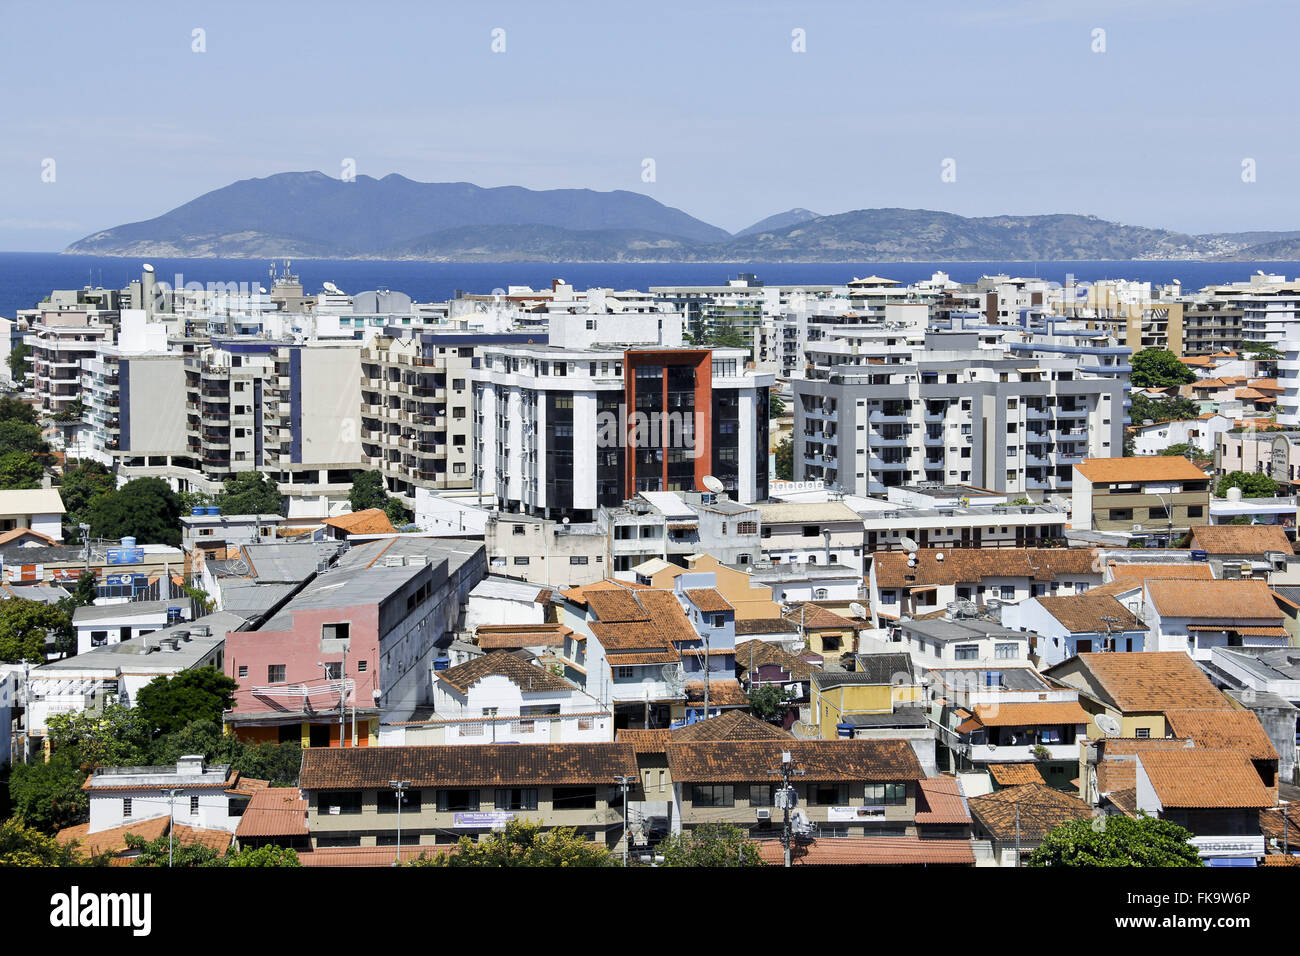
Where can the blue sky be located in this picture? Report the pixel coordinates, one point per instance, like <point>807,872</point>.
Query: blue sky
<point>1153,131</point>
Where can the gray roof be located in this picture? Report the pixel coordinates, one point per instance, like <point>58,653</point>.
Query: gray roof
<point>945,630</point>
<point>345,587</point>
<point>253,598</point>
<point>44,593</point>
<point>50,554</point>
<point>507,589</point>
<point>284,562</point>
<point>454,551</point>
<point>728,507</point>
<point>112,612</point>
<point>885,667</point>
<point>1280,663</point>
<point>1013,678</point>
<point>904,718</point>
<point>133,652</point>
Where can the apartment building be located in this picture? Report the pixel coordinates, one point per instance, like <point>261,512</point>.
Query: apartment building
<point>60,342</point>
<point>455,791</point>
<point>1140,499</point>
<point>1212,325</point>
<point>561,431</point>
<point>963,415</point>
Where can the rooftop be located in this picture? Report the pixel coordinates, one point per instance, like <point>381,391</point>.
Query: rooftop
<point>1140,469</point>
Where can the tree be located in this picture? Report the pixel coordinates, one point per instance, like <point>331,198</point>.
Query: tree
<point>72,413</point>
<point>769,701</point>
<point>1252,485</point>
<point>22,845</point>
<point>26,627</point>
<point>155,852</point>
<point>523,843</point>
<point>1182,448</point>
<point>48,795</point>
<point>711,845</point>
<point>785,459</point>
<point>278,763</point>
<point>81,485</point>
<point>775,407</point>
<point>1146,409</point>
<point>397,514</point>
<point>145,509</point>
<point>20,470</point>
<point>193,499</point>
<point>1159,368</point>
<point>19,357</point>
<point>1260,350</point>
<point>197,737</point>
<point>168,704</point>
<point>87,589</point>
<point>368,491</point>
<point>249,493</point>
<point>264,856</point>
<point>1116,841</point>
<point>113,737</point>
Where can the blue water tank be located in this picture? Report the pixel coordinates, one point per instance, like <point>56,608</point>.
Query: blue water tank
<point>213,510</point>
<point>128,542</point>
<point>198,510</point>
<point>844,730</point>
<point>441,663</point>
<point>1199,555</point>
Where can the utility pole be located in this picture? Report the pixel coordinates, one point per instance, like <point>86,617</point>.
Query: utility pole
<point>171,818</point>
<point>785,797</point>
<point>623,780</point>
<point>399,787</point>
<point>1017,833</point>
<point>706,674</point>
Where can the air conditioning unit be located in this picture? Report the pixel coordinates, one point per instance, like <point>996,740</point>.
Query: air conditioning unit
<point>763,813</point>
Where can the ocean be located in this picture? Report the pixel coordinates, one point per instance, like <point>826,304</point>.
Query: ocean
<point>27,277</point>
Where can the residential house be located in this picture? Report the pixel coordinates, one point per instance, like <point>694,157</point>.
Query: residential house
<point>962,641</point>
<point>275,816</point>
<point>1262,550</point>
<point>1061,627</point>
<point>1016,820</point>
<point>212,797</point>
<point>99,625</point>
<point>37,509</point>
<point>829,635</point>
<point>1140,499</point>
<point>1197,616</point>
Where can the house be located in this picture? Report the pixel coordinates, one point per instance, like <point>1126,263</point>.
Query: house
<point>99,625</point>
<point>212,798</point>
<point>908,584</point>
<point>1196,616</point>
<point>1062,627</point>
<point>760,664</point>
<point>497,601</point>
<point>113,840</point>
<point>1139,499</point>
<point>275,816</point>
<point>879,686</point>
<point>371,521</point>
<point>455,791</point>
<point>1257,549</point>
<point>542,640</point>
<point>813,533</point>
<point>213,533</point>
<point>1266,682</point>
<point>948,642</point>
<point>37,509</point>
<point>825,633</point>
<point>736,584</point>
<point>1015,820</point>
<point>502,698</point>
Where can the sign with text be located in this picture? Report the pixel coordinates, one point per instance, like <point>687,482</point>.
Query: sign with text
<point>480,821</point>
<point>855,814</point>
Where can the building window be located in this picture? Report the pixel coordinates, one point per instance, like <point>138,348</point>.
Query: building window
<point>966,652</point>
<point>578,559</point>
<point>713,795</point>
<point>458,801</point>
<point>361,667</point>
<point>411,800</point>
<point>342,802</point>
<point>126,807</point>
<point>517,529</point>
<point>333,670</point>
<point>334,631</point>
<point>1008,592</point>
<point>1142,733</point>
<point>889,794</point>
<point>719,620</point>
<point>520,560</point>
<point>624,673</point>
<point>275,673</point>
<point>243,670</point>
<point>573,798</point>
<point>828,794</point>
<point>194,805</point>
<point>1004,651</point>
<point>516,798</point>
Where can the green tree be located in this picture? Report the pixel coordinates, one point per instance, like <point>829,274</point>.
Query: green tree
<point>250,493</point>
<point>19,361</point>
<point>197,737</point>
<point>785,459</point>
<point>20,470</point>
<point>769,701</point>
<point>1159,368</point>
<point>278,763</point>
<point>775,406</point>
<point>145,509</point>
<point>26,627</point>
<point>1116,841</point>
<point>368,491</point>
<point>73,412</point>
<point>113,737</point>
<point>48,795</point>
<point>711,845</point>
<point>1260,350</point>
<point>168,704</point>
<point>22,845</point>
<point>193,499</point>
<point>86,591</point>
<point>81,484</point>
<point>155,852</point>
<point>523,843</point>
<point>264,856</point>
<point>725,335</point>
<point>1252,485</point>
<point>397,514</point>
<point>1183,449</point>
<point>1144,409</point>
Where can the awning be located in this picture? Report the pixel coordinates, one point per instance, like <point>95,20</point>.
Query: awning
<point>918,588</point>
<point>1248,631</point>
<point>1230,861</point>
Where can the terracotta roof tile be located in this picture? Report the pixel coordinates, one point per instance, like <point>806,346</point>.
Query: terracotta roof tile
<point>940,801</point>
<point>113,839</point>
<point>369,521</point>
<point>615,607</point>
<point>1117,768</point>
<point>1204,779</point>
<point>367,855</point>
<point>758,654</point>
<point>1152,681</point>
<point>492,637</point>
<point>722,693</point>
<point>870,851</point>
<point>645,740</point>
<point>1140,468</point>
<point>731,725</point>
<point>1223,730</point>
<point>963,565</point>
<point>1137,572</point>
<point>1222,601</point>
<point>708,600</point>
<point>814,617</point>
<point>1083,613</point>
<point>274,812</point>
<point>766,625</point>
<point>821,760</point>
<point>1031,713</point>
<point>668,615</point>
<point>1042,809</point>
<point>1014,774</point>
<point>528,677</point>
<point>1249,539</point>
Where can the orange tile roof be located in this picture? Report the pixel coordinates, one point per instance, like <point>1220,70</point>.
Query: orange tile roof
<point>962,565</point>
<point>722,693</point>
<point>1031,713</point>
<point>1014,774</point>
<point>514,636</point>
<point>1083,613</point>
<point>1205,779</point>
<point>667,614</point>
<point>1217,600</point>
<point>942,801</point>
<point>870,851</point>
<point>368,855</point>
<point>1041,810</point>
<point>615,607</point>
<point>369,521</point>
<point>18,533</point>
<point>275,811</point>
<point>749,761</point>
<point>1223,730</point>
<point>708,600</point>
<point>1140,468</point>
<point>1151,681</point>
<point>113,839</point>
<point>1137,572</point>
<point>218,840</point>
<point>1117,768</point>
<point>730,725</point>
<point>1249,539</point>
<point>528,677</point>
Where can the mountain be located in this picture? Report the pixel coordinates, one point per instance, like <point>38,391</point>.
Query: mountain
<point>310,215</point>
<point>782,220</point>
<point>313,215</point>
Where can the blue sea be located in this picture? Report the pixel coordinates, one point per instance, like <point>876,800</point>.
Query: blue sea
<point>27,277</point>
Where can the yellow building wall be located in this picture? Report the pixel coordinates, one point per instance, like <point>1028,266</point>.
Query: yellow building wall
<point>832,705</point>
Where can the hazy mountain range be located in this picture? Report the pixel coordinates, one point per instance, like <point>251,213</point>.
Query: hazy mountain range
<point>311,215</point>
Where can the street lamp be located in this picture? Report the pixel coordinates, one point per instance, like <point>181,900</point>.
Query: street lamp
<point>399,786</point>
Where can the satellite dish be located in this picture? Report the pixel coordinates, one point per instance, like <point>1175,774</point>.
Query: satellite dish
<point>907,543</point>
<point>331,288</point>
<point>1108,725</point>
<point>146,268</point>
<point>939,556</point>
<point>713,484</point>
<point>858,610</point>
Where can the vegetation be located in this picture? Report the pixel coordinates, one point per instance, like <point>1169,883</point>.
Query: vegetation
<point>1144,409</point>
<point>785,459</point>
<point>1184,449</point>
<point>194,499</point>
<point>82,484</point>
<point>1159,368</point>
<point>22,845</point>
<point>182,853</point>
<point>523,843</point>
<point>72,413</point>
<point>250,493</point>
<point>20,470</point>
<point>27,626</point>
<point>169,704</point>
<point>769,701</point>
<point>1252,485</point>
<point>369,491</point>
<point>1260,350</point>
<point>19,360</point>
<point>1116,841</point>
<point>775,407</point>
<point>711,845</point>
<point>48,796</point>
<point>263,856</point>
<point>145,509</point>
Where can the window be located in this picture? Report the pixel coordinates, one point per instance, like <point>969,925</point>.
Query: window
<point>518,529</point>
<point>889,794</point>
<point>1142,733</point>
<point>573,798</point>
<point>340,802</point>
<point>624,673</point>
<point>966,652</point>
<point>458,801</point>
<point>1004,651</point>
<point>411,800</point>
<point>888,597</point>
<point>811,531</point>
<point>98,638</point>
<point>1195,511</point>
<point>1008,592</point>
<point>243,670</point>
<point>194,805</point>
<point>458,384</point>
<point>713,795</point>
<point>520,560</point>
<point>516,798</point>
<point>275,673</point>
<point>333,670</point>
<point>821,594</point>
<point>719,620</point>
<point>828,794</point>
<point>578,559</point>
<point>126,807</point>
<point>361,667</point>
<point>337,632</point>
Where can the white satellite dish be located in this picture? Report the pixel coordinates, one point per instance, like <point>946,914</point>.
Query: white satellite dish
<point>713,484</point>
<point>1108,725</point>
<point>331,288</point>
<point>907,543</point>
<point>146,268</point>
<point>857,610</point>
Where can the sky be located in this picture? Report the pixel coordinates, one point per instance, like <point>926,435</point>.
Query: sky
<point>1146,123</point>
